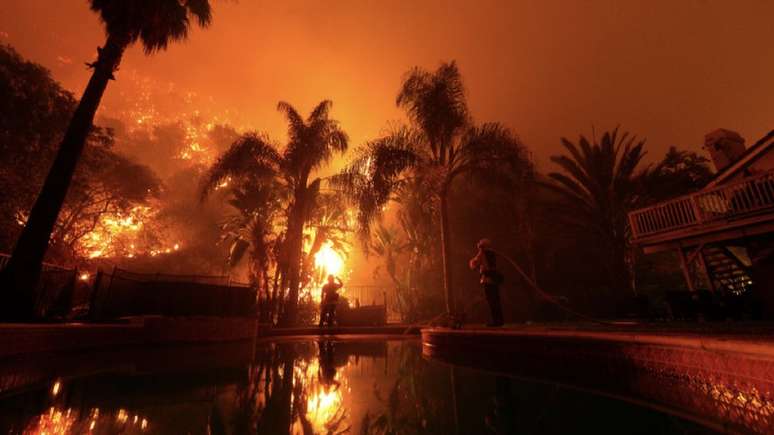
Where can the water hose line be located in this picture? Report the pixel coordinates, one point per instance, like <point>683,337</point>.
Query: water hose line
<point>535,288</point>
<point>547,296</point>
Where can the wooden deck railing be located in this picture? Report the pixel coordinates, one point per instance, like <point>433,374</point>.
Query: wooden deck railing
<point>749,196</point>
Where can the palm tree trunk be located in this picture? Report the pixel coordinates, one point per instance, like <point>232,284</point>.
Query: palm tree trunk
<point>273,304</point>
<point>295,239</point>
<point>446,254</point>
<point>21,275</point>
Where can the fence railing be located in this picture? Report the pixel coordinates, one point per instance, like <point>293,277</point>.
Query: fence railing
<point>123,293</point>
<point>367,295</point>
<point>746,197</point>
<point>54,292</point>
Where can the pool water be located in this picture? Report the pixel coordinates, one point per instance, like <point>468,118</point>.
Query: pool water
<point>329,386</point>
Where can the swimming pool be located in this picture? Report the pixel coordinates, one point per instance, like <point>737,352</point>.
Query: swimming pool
<point>310,385</point>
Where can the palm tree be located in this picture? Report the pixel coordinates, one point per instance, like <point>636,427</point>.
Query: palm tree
<point>600,186</point>
<point>440,146</point>
<point>311,144</point>
<point>155,24</point>
<point>386,242</point>
<point>251,232</point>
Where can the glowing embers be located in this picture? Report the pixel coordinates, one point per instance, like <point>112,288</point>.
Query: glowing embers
<point>54,422</point>
<point>195,135</point>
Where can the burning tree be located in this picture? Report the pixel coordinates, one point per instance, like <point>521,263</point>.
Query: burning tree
<point>258,168</point>
<point>100,201</point>
<point>155,25</point>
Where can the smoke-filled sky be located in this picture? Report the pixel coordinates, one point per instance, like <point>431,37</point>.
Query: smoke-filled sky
<point>666,70</point>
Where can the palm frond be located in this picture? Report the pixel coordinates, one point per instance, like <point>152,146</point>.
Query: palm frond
<point>436,103</point>
<point>598,185</point>
<point>296,124</point>
<point>375,173</point>
<point>312,143</point>
<point>321,111</point>
<point>492,152</point>
<point>250,156</point>
<point>154,23</point>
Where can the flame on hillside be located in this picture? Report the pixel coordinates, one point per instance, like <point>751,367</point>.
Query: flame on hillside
<point>153,103</point>
<point>122,235</point>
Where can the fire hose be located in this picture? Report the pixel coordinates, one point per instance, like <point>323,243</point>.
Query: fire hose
<point>456,322</point>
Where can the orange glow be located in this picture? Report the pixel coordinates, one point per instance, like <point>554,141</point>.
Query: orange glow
<point>54,422</point>
<point>329,261</point>
<point>57,421</point>
<point>121,236</point>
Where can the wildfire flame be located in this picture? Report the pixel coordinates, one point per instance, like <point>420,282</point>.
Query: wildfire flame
<point>328,261</point>
<point>121,236</point>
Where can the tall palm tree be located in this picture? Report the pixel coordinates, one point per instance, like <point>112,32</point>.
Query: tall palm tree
<point>440,146</point>
<point>155,24</point>
<point>312,142</point>
<point>600,185</point>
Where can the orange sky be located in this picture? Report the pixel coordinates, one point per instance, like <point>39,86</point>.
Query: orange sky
<point>666,70</point>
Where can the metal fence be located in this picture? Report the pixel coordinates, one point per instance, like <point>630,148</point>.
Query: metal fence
<point>54,292</point>
<point>369,295</point>
<point>124,293</point>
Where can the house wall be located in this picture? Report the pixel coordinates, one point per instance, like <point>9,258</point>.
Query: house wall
<point>763,163</point>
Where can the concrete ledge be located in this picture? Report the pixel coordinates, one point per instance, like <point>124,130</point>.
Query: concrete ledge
<point>17,339</point>
<point>740,344</point>
<point>20,339</point>
<point>198,329</point>
<point>31,370</point>
<point>726,379</point>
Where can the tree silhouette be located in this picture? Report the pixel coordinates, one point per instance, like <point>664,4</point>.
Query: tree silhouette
<point>155,23</point>
<point>441,145</point>
<point>312,143</point>
<point>600,186</point>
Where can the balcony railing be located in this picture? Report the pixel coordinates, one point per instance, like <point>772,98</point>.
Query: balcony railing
<point>747,197</point>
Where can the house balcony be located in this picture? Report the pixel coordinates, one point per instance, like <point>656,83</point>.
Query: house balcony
<point>736,210</point>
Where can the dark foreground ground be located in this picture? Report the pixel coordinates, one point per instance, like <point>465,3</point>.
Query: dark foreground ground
<point>719,375</point>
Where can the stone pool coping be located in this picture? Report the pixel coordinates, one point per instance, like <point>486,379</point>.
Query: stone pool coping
<point>724,376</point>
<point>759,344</point>
<point>20,338</point>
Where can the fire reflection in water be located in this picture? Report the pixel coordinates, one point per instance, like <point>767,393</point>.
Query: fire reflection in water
<point>61,420</point>
<point>57,421</point>
<point>324,404</point>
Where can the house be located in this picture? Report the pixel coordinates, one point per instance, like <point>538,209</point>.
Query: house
<point>725,231</point>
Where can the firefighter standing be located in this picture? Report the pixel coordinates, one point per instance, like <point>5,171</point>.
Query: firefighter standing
<point>490,280</point>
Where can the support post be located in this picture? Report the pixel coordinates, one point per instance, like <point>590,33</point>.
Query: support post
<point>686,270</point>
<point>705,269</point>
<point>93,299</point>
